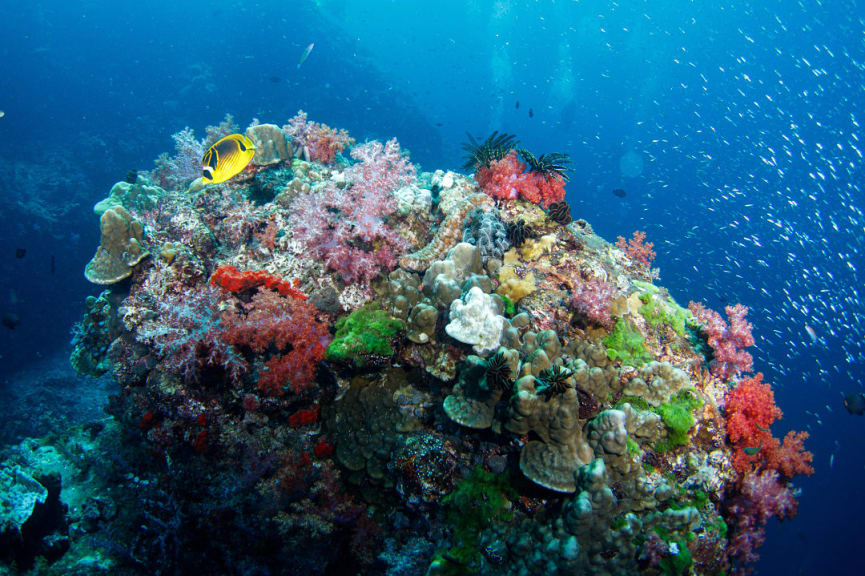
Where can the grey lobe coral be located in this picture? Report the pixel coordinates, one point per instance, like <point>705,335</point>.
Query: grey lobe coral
<point>484,229</point>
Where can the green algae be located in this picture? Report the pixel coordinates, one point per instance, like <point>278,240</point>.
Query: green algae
<point>367,331</point>
<point>477,502</point>
<point>678,419</point>
<point>625,343</point>
<point>510,308</point>
<point>657,313</point>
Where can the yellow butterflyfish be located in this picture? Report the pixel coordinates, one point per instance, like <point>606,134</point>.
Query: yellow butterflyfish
<point>227,158</point>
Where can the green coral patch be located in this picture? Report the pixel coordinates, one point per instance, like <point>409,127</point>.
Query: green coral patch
<point>657,312</point>
<point>367,331</point>
<point>625,343</point>
<point>678,419</point>
<point>477,501</point>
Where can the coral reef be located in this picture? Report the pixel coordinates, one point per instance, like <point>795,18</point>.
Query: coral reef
<point>335,361</point>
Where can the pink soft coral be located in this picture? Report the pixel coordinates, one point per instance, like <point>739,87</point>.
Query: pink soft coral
<point>592,299</point>
<point>762,497</point>
<point>317,142</point>
<point>507,179</point>
<point>187,334</point>
<point>728,342</point>
<point>349,229</point>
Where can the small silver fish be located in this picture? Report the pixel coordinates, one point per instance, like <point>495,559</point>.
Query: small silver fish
<point>305,55</point>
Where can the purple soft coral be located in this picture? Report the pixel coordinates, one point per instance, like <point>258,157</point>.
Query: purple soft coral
<point>763,496</point>
<point>187,334</point>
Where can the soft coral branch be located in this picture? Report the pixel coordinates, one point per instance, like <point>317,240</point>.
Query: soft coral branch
<point>728,342</point>
<point>751,410</point>
<point>349,229</point>
<point>286,328</point>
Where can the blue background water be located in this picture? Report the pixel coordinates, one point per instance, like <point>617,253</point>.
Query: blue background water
<point>734,127</point>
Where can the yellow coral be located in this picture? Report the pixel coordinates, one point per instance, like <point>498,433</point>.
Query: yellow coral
<point>534,249</point>
<point>512,285</point>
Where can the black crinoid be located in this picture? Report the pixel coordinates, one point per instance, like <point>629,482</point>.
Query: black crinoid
<point>547,165</point>
<point>554,379</point>
<point>518,232</point>
<point>498,372</point>
<point>560,213</point>
<point>493,148</point>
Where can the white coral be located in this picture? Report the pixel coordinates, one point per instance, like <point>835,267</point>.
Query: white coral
<point>475,321</point>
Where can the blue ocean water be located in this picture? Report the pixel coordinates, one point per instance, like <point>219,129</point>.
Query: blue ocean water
<point>733,127</point>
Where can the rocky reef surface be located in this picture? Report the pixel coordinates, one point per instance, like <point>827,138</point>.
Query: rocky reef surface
<point>335,363</point>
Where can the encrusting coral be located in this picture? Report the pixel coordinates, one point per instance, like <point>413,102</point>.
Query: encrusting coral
<point>324,348</point>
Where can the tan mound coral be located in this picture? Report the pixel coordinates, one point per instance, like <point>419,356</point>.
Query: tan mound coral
<point>367,422</point>
<point>481,385</point>
<point>271,145</point>
<point>657,382</point>
<point>120,250</point>
<point>552,461</point>
<point>140,195</point>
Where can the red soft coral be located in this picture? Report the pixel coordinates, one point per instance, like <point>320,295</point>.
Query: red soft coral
<point>791,458</point>
<point>751,410</point>
<point>287,325</point>
<point>637,250</point>
<point>507,179</point>
<point>235,281</point>
<point>728,342</point>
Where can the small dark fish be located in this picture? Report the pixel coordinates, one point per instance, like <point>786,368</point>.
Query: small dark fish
<point>131,176</point>
<point>855,403</point>
<point>11,320</point>
<point>531,113</point>
<point>619,192</point>
<point>439,124</point>
<point>275,79</point>
<point>52,263</point>
<point>752,450</point>
<point>518,104</point>
<point>20,253</point>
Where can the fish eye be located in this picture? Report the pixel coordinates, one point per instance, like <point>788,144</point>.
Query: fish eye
<point>207,172</point>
